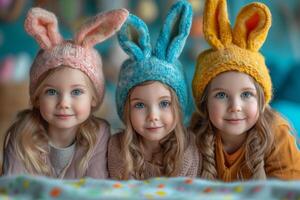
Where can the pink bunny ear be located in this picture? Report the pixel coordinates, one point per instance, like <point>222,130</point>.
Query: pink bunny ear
<point>101,27</point>
<point>42,25</point>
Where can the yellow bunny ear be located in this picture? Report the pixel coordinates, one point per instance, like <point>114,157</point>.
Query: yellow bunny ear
<point>216,26</point>
<point>252,26</point>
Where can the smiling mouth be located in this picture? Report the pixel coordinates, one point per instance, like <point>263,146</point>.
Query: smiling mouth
<point>153,128</point>
<point>234,121</point>
<point>63,116</point>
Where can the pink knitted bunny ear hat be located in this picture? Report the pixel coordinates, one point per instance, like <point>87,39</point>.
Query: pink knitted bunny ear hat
<point>77,53</point>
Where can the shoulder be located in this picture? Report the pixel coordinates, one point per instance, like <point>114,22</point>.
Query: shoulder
<point>281,130</point>
<point>104,130</point>
<point>115,159</point>
<point>284,140</point>
<point>103,124</point>
<point>10,142</point>
<point>191,151</point>
<point>190,160</point>
<point>115,140</point>
<point>191,139</point>
<point>191,143</point>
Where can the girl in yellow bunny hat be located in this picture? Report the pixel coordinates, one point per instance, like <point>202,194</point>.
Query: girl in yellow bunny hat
<point>239,136</point>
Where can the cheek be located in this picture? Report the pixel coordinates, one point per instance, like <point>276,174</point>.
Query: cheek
<point>252,110</point>
<point>46,107</point>
<point>169,117</point>
<point>136,118</point>
<point>215,110</point>
<point>83,108</point>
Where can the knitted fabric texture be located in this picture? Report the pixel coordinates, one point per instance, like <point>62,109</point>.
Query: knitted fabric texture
<point>233,50</point>
<point>77,53</point>
<point>116,165</point>
<point>158,64</point>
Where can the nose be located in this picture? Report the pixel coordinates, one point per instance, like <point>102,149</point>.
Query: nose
<point>235,105</point>
<point>153,114</point>
<point>64,102</point>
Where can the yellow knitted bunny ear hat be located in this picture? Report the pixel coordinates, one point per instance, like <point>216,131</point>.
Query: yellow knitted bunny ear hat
<point>233,50</point>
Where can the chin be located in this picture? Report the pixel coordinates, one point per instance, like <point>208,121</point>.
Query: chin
<point>234,132</point>
<point>154,139</point>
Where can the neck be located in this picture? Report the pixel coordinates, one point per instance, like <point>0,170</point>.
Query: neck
<point>150,148</point>
<point>62,138</point>
<point>231,143</point>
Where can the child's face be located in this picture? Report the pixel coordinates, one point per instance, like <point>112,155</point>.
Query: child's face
<point>66,99</point>
<point>151,114</point>
<point>232,103</point>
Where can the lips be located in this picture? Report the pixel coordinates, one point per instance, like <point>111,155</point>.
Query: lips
<point>153,128</point>
<point>63,116</point>
<point>234,121</point>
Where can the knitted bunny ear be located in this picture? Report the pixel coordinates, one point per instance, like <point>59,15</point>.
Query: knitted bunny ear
<point>252,26</point>
<point>100,27</point>
<point>134,38</point>
<point>175,31</point>
<point>42,25</point>
<point>216,26</point>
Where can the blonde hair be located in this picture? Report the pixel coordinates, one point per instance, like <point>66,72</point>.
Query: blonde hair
<point>173,145</point>
<point>259,141</point>
<point>28,134</point>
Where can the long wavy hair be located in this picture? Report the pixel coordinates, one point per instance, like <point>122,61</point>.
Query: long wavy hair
<point>172,146</point>
<point>259,140</point>
<point>29,138</point>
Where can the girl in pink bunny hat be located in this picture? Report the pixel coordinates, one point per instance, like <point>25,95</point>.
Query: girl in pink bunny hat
<point>59,136</point>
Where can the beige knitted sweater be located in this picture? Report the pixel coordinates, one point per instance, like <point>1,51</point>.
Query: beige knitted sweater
<point>116,163</point>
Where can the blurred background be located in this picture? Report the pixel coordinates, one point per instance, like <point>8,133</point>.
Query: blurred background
<point>17,49</point>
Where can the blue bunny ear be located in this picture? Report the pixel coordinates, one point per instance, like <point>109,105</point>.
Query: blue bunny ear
<point>175,31</point>
<point>134,38</point>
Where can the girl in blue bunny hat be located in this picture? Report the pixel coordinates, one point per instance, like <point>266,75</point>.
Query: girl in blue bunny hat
<point>151,100</point>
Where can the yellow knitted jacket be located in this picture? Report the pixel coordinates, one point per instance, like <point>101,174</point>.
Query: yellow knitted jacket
<point>283,162</point>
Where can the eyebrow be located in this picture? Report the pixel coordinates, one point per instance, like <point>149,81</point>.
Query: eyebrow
<point>217,89</point>
<point>140,99</point>
<point>79,85</point>
<point>243,89</point>
<point>73,86</point>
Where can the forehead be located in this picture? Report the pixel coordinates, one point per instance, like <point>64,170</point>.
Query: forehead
<point>232,80</point>
<point>67,75</point>
<point>150,91</point>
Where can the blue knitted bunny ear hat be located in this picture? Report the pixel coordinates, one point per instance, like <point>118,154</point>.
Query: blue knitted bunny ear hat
<point>160,63</point>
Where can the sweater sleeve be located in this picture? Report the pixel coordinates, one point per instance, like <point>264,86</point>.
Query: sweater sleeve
<point>284,160</point>
<point>115,161</point>
<point>98,163</point>
<point>12,164</point>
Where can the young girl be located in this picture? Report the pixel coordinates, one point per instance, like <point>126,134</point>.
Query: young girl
<point>151,97</point>
<point>238,135</point>
<point>59,137</point>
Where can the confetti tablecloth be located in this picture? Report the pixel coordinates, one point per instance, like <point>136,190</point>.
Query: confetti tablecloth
<point>29,187</point>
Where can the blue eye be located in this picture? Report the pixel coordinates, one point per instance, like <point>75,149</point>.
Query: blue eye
<point>221,95</point>
<point>164,104</point>
<point>246,95</point>
<point>76,92</point>
<point>51,92</point>
<point>139,105</point>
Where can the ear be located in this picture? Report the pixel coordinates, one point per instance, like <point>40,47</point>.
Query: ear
<point>174,32</point>
<point>252,26</point>
<point>134,38</point>
<point>216,26</point>
<point>42,25</point>
<point>100,27</point>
